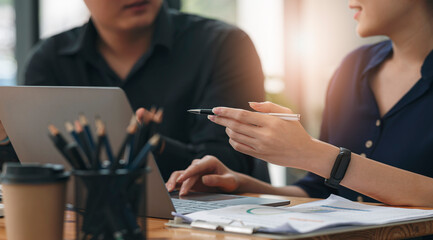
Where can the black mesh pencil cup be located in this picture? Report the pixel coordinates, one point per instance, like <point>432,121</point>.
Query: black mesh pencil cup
<point>108,204</point>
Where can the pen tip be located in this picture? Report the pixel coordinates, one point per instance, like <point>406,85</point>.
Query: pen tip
<point>196,111</point>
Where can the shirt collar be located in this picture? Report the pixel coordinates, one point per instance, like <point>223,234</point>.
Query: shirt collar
<point>380,52</point>
<point>86,37</point>
<point>427,66</point>
<point>163,35</point>
<point>164,32</point>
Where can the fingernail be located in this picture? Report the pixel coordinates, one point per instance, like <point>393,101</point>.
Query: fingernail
<point>169,186</point>
<point>216,110</point>
<point>182,192</point>
<point>211,117</point>
<point>205,180</point>
<point>255,104</point>
<point>260,103</point>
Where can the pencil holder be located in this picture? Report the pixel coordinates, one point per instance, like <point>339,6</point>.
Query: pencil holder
<point>108,203</point>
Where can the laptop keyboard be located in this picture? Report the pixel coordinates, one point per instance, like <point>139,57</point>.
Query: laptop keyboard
<point>183,206</point>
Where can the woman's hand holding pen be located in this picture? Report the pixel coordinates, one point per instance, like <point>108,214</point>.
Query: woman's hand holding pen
<point>204,175</point>
<point>272,139</point>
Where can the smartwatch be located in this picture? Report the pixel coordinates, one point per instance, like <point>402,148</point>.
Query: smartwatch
<point>339,169</point>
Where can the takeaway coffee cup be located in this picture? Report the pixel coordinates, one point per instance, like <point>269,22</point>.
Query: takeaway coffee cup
<point>34,200</point>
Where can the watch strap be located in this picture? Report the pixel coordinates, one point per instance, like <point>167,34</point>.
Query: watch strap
<point>339,169</point>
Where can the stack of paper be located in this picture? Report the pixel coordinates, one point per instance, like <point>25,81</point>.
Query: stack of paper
<point>308,217</point>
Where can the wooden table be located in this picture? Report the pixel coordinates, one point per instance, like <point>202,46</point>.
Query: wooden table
<point>157,230</point>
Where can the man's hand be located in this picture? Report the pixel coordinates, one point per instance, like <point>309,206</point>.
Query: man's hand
<point>204,175</point>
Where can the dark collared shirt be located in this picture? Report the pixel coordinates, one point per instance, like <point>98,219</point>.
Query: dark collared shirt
<point>402,138</point>
<point>193,62</point>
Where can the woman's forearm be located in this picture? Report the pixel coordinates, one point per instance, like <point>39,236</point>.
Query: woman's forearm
<point>388,184</point>
<point>251,185</point>
<point>382,182</point>
<point>287,143</point>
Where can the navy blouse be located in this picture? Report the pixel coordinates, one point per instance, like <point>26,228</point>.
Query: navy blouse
<point>402,138</point>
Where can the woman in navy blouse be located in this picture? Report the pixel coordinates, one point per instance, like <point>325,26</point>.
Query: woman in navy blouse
<point>379,105</point>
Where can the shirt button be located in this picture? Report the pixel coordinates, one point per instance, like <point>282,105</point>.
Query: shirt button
<point>368,144</point>
<point>363,155</point>
<point>377,122</point>
<point>360,198</point>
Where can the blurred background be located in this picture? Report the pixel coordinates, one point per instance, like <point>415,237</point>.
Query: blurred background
<point>300,44</point>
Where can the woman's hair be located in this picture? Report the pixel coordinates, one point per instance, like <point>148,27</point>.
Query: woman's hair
<point>429,4</point>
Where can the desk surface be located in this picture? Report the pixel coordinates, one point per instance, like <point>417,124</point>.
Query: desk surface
<point>157,229</point>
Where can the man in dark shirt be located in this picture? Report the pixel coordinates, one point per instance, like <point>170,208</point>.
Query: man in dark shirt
<point>159,57</point>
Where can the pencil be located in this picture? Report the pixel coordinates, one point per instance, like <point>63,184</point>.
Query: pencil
<point>85,145</point>
<point>141,134</point>
<point>156,119</point>
<point>150,123</point>
<point>159,115</point>
<point>138,140</point>
<point>141,159</point>
<point>73,151</point>
<point>148,127</point>
<point>129,150</point>
<point>100,132</point>
<point>60,143</point>
<point>70,129</point>
<point>126,147</point>
<point>105,140</point>
<point>284,116</point>
<point>85,124</point>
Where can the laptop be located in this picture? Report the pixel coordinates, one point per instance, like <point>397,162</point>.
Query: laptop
<point>26,112</point>
<point>160,203</point>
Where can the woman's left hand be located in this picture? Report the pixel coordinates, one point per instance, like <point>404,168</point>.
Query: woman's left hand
<point>266,137</point>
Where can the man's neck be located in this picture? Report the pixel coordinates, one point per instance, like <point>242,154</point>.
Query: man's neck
<point>125,45</point>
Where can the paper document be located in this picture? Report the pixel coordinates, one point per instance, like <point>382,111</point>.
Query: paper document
<point>308,217</point>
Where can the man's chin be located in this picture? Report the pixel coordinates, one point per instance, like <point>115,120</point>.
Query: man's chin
<point>137,24</point>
